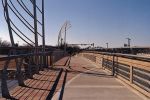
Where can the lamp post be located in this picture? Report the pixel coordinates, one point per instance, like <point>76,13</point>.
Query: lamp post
<point>129,42</point>
<point>107,45</point>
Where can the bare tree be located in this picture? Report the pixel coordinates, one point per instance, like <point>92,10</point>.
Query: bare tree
<point>4,43</point>
<point>28,45</point>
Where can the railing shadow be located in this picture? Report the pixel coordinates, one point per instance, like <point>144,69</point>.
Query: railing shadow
<point>89,72</point>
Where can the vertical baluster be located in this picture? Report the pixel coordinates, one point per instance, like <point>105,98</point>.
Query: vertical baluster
<point>102,62</point>
<point>19,73</point>
<point>41,62</point>
<point>51,60</point>
<point>46,61</point>
<point>30,67</point>
<point>116,65</point>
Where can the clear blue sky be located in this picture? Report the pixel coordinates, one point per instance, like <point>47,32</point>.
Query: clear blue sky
<point>95,21</point>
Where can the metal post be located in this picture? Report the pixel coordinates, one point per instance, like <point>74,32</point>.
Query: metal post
<point>35,24</point>
<point>36,35</point>
<point>51,60</point>
<point>4,87</point>
<point>8,22</point>
<point>65,39</point>
<point>129,42</point>
<point>30,73</point>
<point>47,61</point>
<point>113,66</point>
<point>41,62</point>
<point>107,45</point>
<point>103,63</point>
<point>43,32</point>
<point>19,73</point>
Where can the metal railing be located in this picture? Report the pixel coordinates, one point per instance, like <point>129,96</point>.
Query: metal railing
<point>30,17</point>
<point>24,67</point>
<point>134,70</point>
<point>10,9</point>
<point>23,60</point>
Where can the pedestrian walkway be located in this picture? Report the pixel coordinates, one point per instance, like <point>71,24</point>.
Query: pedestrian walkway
<point>94,83</point>
<point>84,81</point>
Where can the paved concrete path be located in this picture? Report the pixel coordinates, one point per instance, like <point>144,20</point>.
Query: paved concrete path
<point>94,84</point>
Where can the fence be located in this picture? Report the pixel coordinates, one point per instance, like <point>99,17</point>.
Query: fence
<point>134,70</point>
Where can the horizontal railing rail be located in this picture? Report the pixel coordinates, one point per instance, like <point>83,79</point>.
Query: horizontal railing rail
<point>135,57</point>
<point>22,56</point>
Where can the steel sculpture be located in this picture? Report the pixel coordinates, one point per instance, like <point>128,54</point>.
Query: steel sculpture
<point>62,34</point>
<point>39,60</point>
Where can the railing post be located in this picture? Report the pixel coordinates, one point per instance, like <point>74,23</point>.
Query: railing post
<point>47,61</point>
<point>96,59</point>
<point>131,74</point>
<point>113,66</point>
<point>36,36</point>
<point>102,62</point>
<point>51,60</point>
<point>5,91</point>
<point>19,73</point>
<point>43,33</point>
<point>41,62</point>
<point>30,68</point>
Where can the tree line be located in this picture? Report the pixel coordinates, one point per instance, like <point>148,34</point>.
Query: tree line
<point>4,43</point>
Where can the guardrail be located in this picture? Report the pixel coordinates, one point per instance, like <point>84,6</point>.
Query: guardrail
<point>132,69</point>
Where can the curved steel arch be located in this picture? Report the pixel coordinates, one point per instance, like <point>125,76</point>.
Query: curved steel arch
<point>9,6</point>
<point>62,32</point>
<point>38,59</point>
<point>27,10</point>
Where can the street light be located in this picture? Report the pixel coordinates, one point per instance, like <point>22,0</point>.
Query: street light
<point>107,45</point>
<point>129,41</point>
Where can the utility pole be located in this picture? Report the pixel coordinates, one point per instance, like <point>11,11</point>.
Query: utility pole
<point>107,45</point>
<point>129,42</point>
